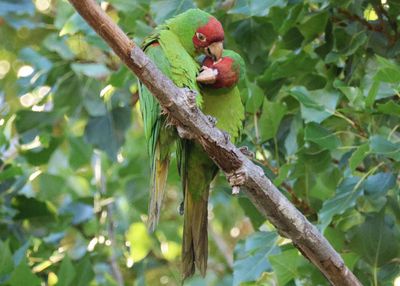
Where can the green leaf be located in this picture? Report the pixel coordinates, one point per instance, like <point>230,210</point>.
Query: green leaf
<point>257,219</point>
<point>17,7</point>
<point>84,273</point>
<point>286,265</point>
<point>376,241</point>
<point>292,39</point>
<point>66,273</point>
<point>75,24</point>
<point>388,71</point>
<point>321,136</point>
<point>388,75</point>
<point>346,195</point>
<point>166,9</point>
<point>358,156</point>
<point>315,105</point>
<point>140,241</point>
<point>80,152</point>
<point>23,275</point>
<point>390,108</point>
<point>10,172</point>
<point>381,146</point>
<point>57,44</point>
<point>314,25</point>
<point>27,120</point>
<point>41,155</point>
<point>354,95</point>
<point>97,71</point>
<point>271,117</point>
<point>289,66</point>
<point>379,184</point>
<point>259,36</point>
<point>108,132</point>
<point>31,208</point>
<point>255,99</point>
<point>251,256</point>
<point>20,254</point>
<point>6,261</point>
<point>255,7</point>
<point>347,44</point>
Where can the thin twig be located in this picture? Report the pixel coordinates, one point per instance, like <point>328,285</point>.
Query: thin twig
<point>102,183</point>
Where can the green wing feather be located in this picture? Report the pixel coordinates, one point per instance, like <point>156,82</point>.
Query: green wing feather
<point>164,48</point>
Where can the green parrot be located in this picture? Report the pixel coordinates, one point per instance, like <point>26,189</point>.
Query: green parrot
<point>174,47</point>
<point>222,101</point>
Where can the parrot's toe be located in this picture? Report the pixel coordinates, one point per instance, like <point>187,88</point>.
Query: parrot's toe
<point>190,97</point>
<point>227,137</point>
<point>246,151</point>
<point>212,120</point>
<point>183,133</point>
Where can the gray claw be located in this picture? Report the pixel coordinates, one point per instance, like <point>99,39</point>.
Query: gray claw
<point>227,137</point>
<point>212,120</point>
<point>190,97</point>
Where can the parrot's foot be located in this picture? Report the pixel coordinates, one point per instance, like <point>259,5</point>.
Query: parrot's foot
<point>227,137</point>
<point>190,97</point>
<point>183,133</point>
<point>170,120</point>
<point>245,151</point>
<point>237,179</point>
<point>212,120</point>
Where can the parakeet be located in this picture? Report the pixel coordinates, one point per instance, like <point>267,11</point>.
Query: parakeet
<point>173,47</point>
<point>221,100</point>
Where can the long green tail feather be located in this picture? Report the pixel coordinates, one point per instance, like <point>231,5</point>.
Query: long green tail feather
<point>197,172</point>
<point>157,193</point>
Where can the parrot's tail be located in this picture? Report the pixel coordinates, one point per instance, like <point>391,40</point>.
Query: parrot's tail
<point>195,237</point>
<point>158,185</point>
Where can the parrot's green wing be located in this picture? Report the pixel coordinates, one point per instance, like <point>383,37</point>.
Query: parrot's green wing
<point>160,139</point>
<point>167,53</point>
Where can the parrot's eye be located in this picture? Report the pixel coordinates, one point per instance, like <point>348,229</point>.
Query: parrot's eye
<point>201,37</point>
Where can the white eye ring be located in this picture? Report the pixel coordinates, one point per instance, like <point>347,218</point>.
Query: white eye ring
<point>201,37</point>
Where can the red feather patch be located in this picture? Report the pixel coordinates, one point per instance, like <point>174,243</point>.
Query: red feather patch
<point>212,31</point>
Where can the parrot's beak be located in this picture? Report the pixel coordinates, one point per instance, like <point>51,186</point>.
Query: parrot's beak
<point>215,50</point>
<point>207,75</point>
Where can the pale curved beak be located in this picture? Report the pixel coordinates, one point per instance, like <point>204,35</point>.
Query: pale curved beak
<point>215,50</point>
<point>207,75</point>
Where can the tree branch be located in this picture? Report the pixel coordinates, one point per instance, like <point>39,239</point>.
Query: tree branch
<point>265,196</point>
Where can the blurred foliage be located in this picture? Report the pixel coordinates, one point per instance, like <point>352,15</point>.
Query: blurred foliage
<point>323,116</point>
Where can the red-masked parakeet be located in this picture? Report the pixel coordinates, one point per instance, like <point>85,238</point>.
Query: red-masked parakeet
<point>173,47</point>
<point>221,100</point>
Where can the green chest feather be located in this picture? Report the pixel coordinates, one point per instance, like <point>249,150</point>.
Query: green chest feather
<point>227,109</point>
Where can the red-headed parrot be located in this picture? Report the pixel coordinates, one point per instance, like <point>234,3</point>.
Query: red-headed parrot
<point>174,47</point>
<point>221,100</point>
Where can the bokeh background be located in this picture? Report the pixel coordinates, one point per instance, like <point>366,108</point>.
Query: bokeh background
<point>323,118</point>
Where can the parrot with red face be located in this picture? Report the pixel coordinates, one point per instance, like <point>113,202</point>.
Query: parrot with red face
<point>174,47</point>
<point>222,101</point>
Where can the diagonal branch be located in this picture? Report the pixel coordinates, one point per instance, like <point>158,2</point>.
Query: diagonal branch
<point>265,196</point>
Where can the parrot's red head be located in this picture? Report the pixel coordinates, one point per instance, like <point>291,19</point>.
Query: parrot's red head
<point>224,73</point>
<point>209,38</point>
<point>198,32</point>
